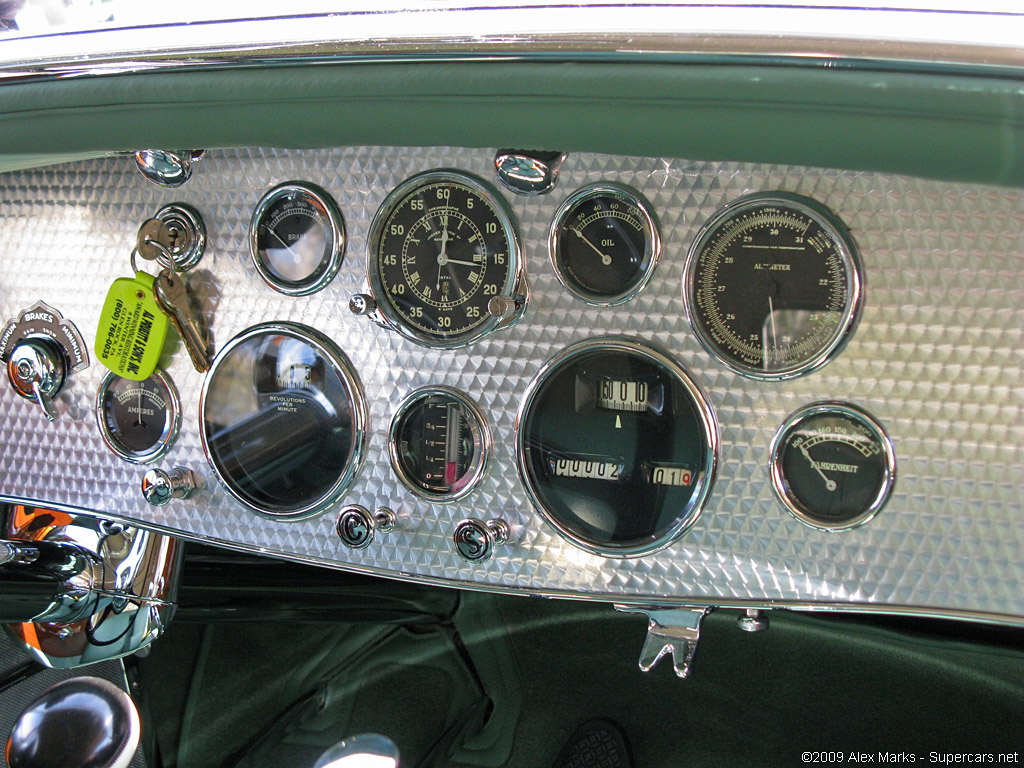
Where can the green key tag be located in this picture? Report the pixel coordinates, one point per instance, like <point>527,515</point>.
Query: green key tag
<point>132,328</point>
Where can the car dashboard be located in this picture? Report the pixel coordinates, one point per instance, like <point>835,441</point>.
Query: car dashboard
<point>916,165</point>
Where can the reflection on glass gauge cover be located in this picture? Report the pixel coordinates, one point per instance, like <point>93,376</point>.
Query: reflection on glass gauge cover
<point>439,443</point>
<point>284,419</point>
<point>138,420</point>
<point>833,466</point>
<point>656,444</point>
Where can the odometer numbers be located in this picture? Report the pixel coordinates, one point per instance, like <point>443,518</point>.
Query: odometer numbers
<point>773,285</point>
<point>442,248</point>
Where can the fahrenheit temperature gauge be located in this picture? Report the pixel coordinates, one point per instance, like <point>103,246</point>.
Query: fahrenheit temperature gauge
<point>439,443</point>
<point>833,466</point>
<point>138,419</point>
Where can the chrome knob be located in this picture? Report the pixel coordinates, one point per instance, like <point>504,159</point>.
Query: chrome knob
<point>475,540</point>
<point>362,304</point>
<point>356,526</point>
<point>37,370</point>
<point>167,167</point>
<point>159,487</point>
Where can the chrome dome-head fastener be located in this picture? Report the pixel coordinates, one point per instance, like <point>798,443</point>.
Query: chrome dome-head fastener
<point>167,167</point>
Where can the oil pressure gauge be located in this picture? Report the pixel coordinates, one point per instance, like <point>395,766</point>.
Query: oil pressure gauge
<point>138,420</point>
<point>439,443</point>
<point>832,465</point>
<point>604,244</point>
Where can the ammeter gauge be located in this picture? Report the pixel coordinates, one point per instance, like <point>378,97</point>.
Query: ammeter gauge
<point>772,285</point>
<point>439,443</point>
<point>443,262</point>
<point>284,420</point>
<point>138,420</point>
<point>604,243</point>
<point>297,238</point>
<point>832,465</point>
<point>617,445</point>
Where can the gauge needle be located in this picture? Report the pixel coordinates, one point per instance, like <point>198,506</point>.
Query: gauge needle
<point>830,484</point>
<point>605,259</point>
<point>771,315</point>
<point>282,242</point>
<point>459,261</point>
<point>442,258</point>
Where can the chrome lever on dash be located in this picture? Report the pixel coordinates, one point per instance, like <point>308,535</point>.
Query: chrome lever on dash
<point>669,630</point>
<point>159,487</point>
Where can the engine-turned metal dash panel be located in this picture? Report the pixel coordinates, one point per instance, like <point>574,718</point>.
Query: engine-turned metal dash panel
<point>936,359</point>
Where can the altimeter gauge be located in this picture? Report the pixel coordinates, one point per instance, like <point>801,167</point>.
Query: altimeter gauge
<point>832,465</point>
<point>773,285</point>
<point>444,262</point>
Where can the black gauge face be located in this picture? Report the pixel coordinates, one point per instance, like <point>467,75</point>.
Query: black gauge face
<point>773,285</point>
<point>832,465</point>
<point>441,248</point>
<point>604,244</point>
<point>439,443</point>
<point>138,419</point>
<point>297,238</point>
<point>283,420</point>
<point>617,446</point>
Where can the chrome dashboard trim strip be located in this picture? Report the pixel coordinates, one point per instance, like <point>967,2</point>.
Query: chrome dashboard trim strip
<point>621,31</point>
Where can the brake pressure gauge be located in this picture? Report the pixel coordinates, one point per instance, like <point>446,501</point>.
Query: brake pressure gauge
<point>138,420</point>
<point>439,443</point>
<point>297,238</point>
<point>833,466</point>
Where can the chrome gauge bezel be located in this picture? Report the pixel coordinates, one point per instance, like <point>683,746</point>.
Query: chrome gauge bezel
<point>482,440</point>
<point>360,416</point>
<point>781,487</point>
<point>652,249</point>
<point>335,223</point>
<point>167,436</point>
<point>846,247</point>
<point>513,288</point>
<point>688,516</point>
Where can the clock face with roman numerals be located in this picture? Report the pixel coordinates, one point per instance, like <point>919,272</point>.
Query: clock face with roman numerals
<point>442,246</point>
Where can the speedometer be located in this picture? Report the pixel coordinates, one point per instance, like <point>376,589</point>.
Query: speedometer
<point>444,262</point>
<point>773,285</point>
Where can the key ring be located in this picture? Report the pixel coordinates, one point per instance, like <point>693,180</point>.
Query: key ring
<point>164,258</point>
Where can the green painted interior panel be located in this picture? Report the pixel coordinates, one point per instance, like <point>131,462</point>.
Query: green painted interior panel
<point>952,126</point>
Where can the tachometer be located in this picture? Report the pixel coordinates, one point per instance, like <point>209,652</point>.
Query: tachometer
<point>444,262</point>
<point>616,445</point>
<point>773,285</point>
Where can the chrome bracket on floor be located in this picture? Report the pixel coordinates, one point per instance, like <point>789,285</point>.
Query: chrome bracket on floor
<point>669,630</point>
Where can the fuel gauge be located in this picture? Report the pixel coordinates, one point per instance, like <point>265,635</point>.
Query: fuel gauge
<point>439,443</point>
<point>833,466</point>
<point>138,420</point>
